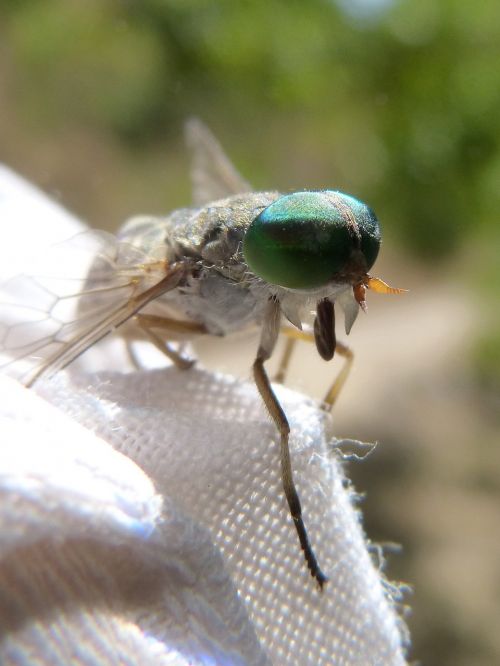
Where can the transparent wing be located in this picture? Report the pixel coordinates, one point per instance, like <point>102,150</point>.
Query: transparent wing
<point>213,175</point>
<point>80,291</point>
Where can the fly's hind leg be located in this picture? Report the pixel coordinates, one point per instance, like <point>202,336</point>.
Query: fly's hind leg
<point>343,350</point>
<point>180,362</point>
<point>172,328</point>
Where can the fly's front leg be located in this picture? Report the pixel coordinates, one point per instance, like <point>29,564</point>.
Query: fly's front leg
<point>267,344</point>
<point>284,363</point>
<point>172,327</point>
<point>340,379</point>
<point>341,349</point>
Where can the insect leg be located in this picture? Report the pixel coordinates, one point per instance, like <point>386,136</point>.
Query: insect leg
<point>172,327</point>
<point>267,343</point>
<point>177,359</point>
<point>341,349</point>
<point>340,379</point>
<point>284,363</point>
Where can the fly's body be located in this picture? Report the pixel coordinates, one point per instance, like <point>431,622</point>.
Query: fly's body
<point>236,259</point>
<point>218,290</point>
<point>221,292</point>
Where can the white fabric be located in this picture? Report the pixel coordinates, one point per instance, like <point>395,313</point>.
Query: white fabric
<point>142,520</point>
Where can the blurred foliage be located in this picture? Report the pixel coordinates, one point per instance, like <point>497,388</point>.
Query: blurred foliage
<point>487,363</point>
<point>399,100</point>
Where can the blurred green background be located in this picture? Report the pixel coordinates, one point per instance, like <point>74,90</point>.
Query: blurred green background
<point>396,102</point>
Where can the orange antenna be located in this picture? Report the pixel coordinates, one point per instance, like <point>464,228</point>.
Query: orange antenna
<point>380,287</point>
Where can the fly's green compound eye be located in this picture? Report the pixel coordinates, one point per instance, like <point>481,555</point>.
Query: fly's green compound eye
<point>305,239</point>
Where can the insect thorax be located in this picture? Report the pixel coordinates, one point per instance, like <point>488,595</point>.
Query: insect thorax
<point>219,292</point>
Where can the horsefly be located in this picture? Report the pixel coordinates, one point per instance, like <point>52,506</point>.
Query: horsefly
<point>235,259</point>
